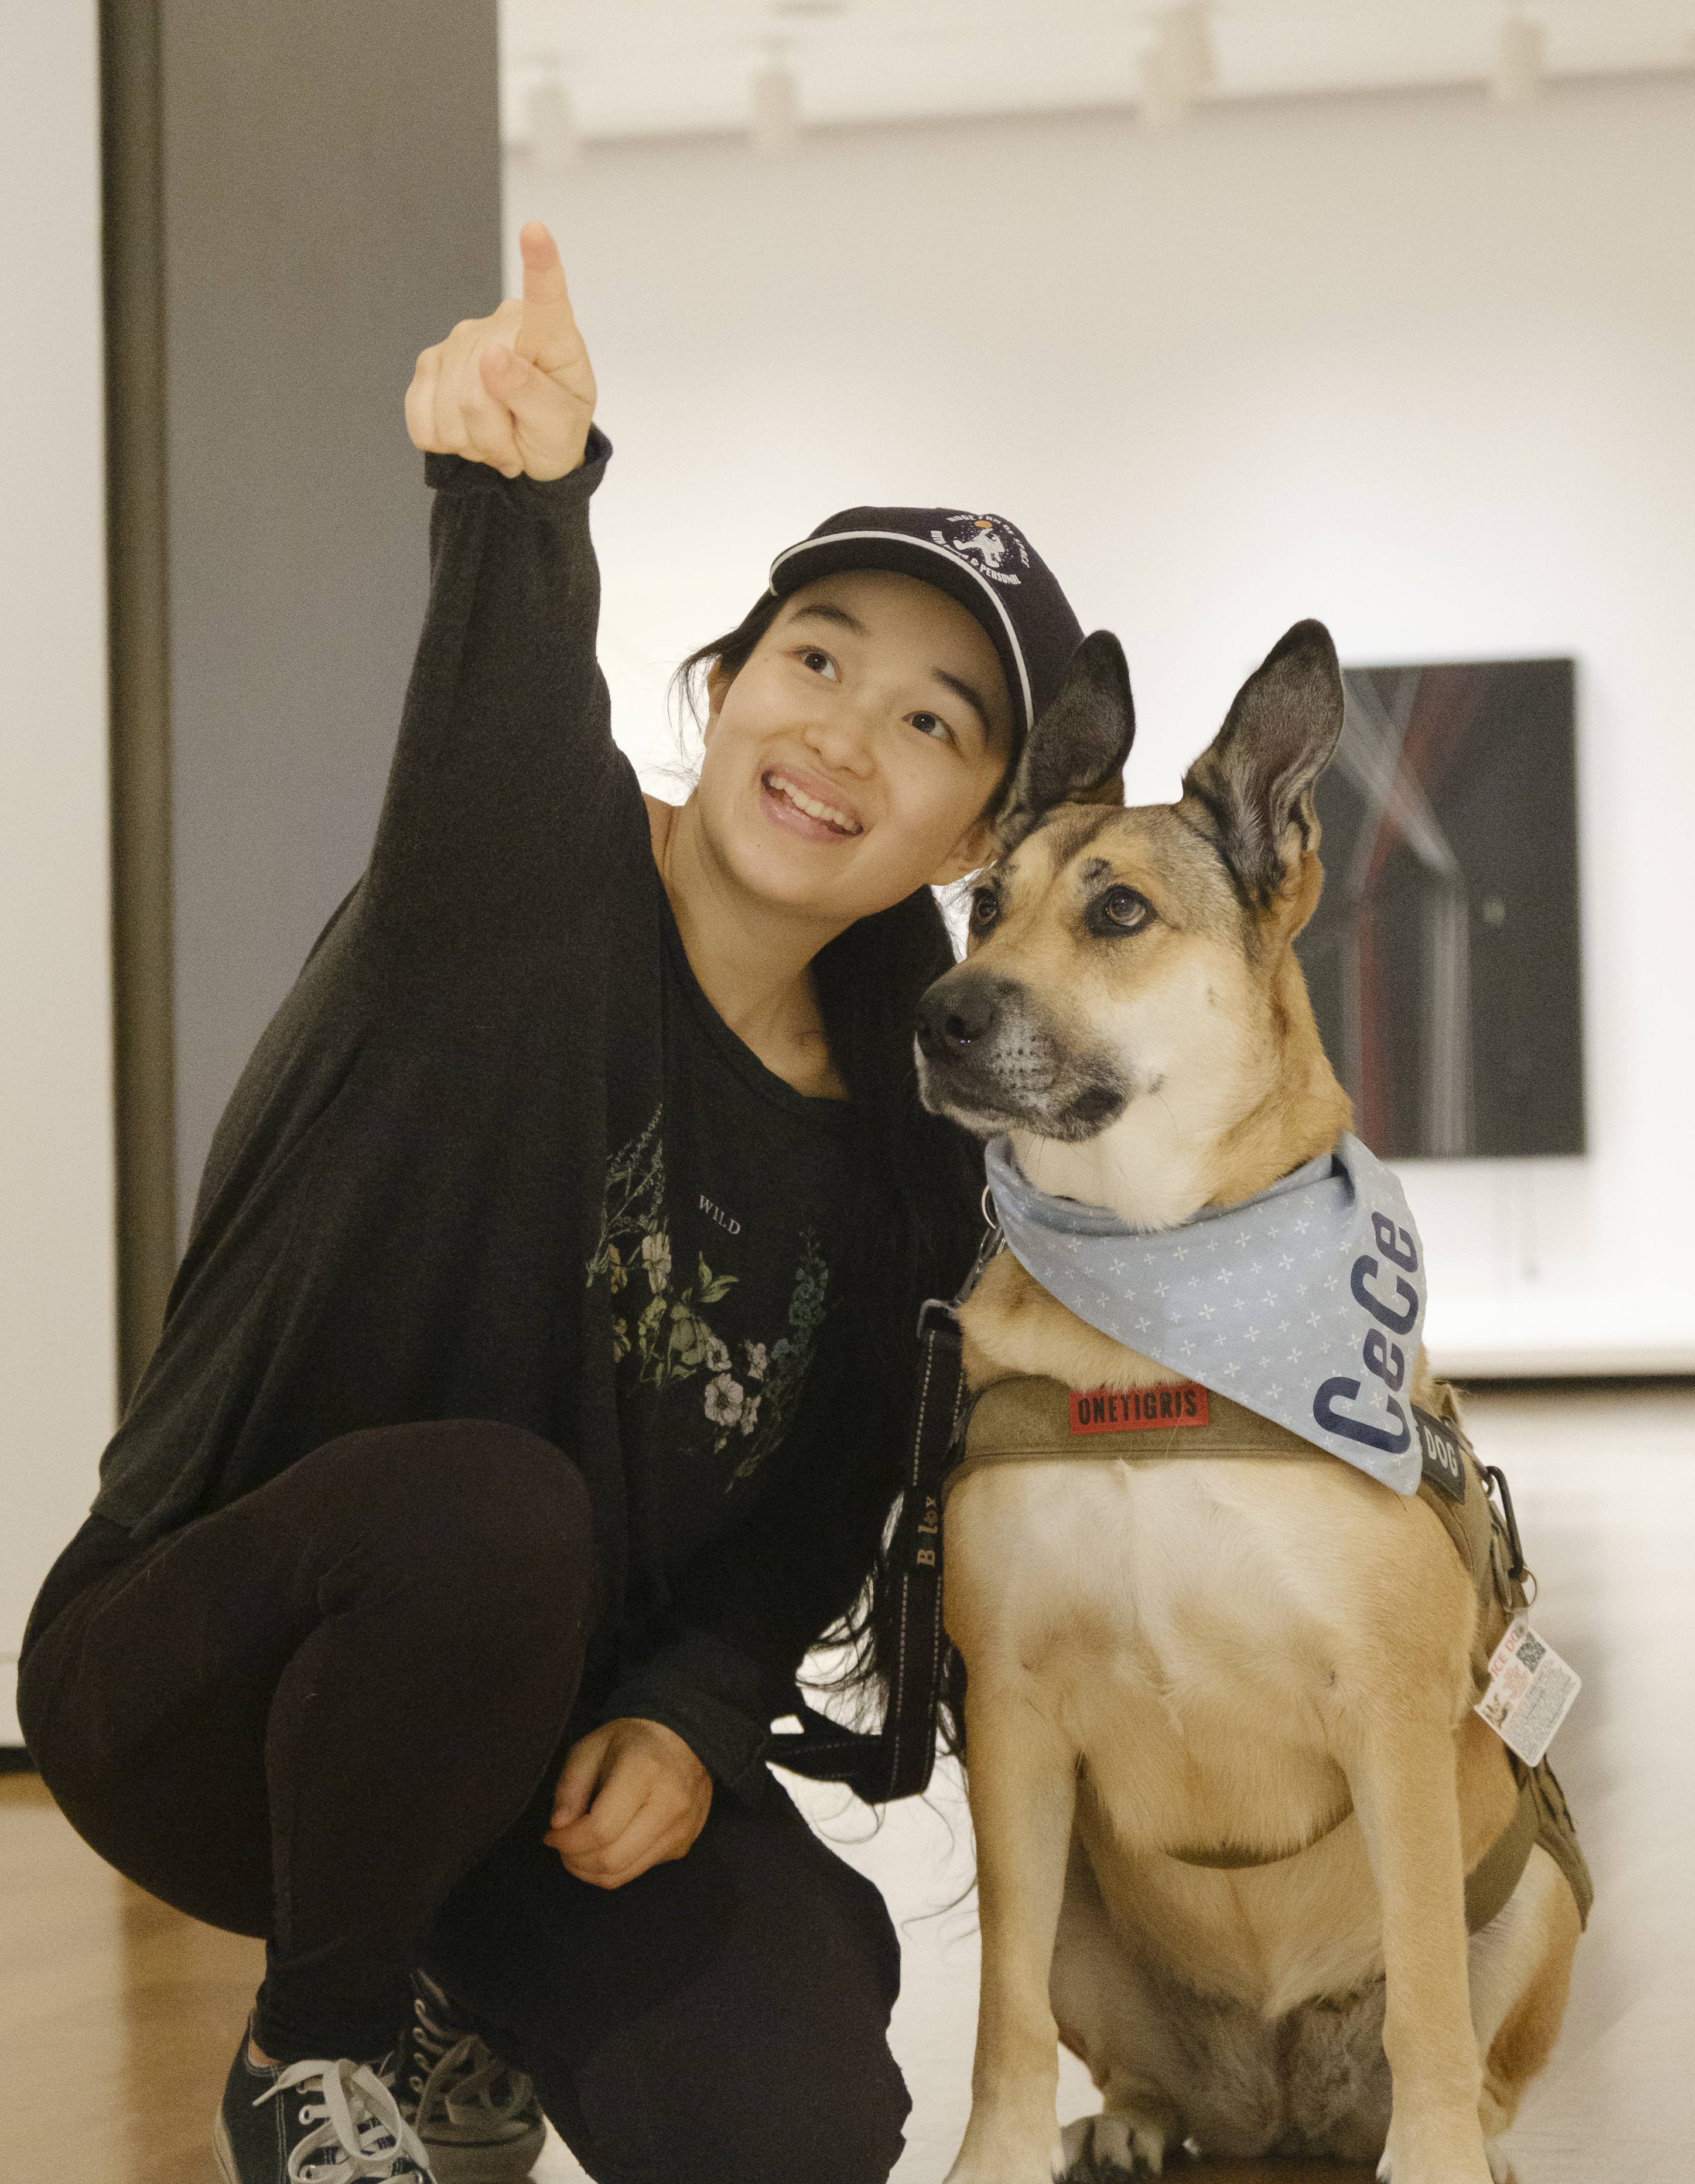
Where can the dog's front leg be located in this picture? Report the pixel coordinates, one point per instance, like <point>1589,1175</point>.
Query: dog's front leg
<point>1403,1778</point>
<point>1021,1772</point>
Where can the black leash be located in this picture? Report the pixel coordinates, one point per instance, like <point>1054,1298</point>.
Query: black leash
<point>897,1761</point>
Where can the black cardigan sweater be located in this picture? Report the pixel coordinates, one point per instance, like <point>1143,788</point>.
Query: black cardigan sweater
<point>407,1186</point>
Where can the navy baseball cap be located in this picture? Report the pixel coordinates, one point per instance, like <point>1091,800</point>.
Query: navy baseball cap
<point>983,561</point>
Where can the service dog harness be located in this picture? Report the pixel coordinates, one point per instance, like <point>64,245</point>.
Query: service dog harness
<point>1038,1421</point>
<point>1328,1262</point>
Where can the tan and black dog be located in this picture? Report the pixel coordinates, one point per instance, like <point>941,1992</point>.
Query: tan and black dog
<point>1276,1659</point>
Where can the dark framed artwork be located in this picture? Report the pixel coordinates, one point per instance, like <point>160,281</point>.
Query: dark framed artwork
<point>1443,958</point>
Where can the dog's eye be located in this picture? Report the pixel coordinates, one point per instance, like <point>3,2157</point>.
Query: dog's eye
<point>1123,910</point>
<point>985,908</point>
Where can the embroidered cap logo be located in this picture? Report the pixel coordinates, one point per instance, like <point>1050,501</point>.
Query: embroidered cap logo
<point>990,542</point>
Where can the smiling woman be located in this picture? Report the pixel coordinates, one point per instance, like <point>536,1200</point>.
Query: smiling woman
<point>533,1391</point>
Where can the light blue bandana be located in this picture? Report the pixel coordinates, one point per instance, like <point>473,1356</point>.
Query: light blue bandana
<point>1305,1304</point>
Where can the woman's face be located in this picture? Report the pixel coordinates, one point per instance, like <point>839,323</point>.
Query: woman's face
<point>851,758</point>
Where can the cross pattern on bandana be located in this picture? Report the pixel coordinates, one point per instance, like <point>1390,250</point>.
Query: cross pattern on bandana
<point>1305,1304</point>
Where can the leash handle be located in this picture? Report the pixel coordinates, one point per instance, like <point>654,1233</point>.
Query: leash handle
<point>897,1762</point>
<point>915,1682</point>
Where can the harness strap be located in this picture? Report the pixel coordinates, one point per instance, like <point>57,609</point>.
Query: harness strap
<point>1489,1884</point>
<point>1236,1858</point>
<point>1496,1874</point>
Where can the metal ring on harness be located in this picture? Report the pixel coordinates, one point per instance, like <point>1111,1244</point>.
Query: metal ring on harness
<point>991,1245</point>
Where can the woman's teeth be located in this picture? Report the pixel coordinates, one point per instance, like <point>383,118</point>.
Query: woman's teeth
<point>780,786</point>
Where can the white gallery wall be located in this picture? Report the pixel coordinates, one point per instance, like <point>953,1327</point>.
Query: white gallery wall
<point>57,1316</point>
<point>1416,366</point>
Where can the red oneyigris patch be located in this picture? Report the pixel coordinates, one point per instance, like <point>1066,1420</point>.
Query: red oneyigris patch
<point>1137,1410</point>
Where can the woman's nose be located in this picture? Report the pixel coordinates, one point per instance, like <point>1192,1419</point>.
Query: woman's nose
<point>842,738</point>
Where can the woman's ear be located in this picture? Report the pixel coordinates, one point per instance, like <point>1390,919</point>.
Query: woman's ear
<point>975,848</point>
<point>719,679</point>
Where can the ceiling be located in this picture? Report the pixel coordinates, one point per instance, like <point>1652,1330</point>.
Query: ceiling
<point>635,68</point>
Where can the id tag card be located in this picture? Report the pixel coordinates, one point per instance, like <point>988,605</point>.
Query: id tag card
<point>1530,1694</point>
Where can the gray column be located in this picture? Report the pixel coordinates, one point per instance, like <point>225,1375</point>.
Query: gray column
<point>328,201</point>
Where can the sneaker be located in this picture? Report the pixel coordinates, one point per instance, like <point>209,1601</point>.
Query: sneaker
<point>479,2119</point>
<point>315,2123</point>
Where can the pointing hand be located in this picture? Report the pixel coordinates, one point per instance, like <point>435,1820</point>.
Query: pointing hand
<point>515,390</point>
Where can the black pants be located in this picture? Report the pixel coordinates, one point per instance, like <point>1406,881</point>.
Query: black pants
<point>332,1714</point>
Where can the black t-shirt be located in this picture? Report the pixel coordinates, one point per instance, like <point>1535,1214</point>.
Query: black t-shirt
<point>723,1232</point>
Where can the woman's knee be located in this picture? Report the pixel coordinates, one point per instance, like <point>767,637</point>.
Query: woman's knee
<point>765,2062</point>
<point>835,2120</point>
<point>494,1503</point>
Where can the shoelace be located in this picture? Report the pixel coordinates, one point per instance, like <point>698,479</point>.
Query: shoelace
<point>359,2125</point>
<point>463,2076</point>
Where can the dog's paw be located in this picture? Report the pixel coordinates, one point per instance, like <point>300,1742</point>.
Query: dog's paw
<point>1500,2167</point>
<point>1111,2149</point>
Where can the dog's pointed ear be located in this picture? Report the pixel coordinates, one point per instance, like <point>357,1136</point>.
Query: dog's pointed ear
<point>1253,782</point>
<point>1076,750</point>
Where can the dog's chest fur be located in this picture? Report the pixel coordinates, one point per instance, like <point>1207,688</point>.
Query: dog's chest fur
<point>1203,1629</point>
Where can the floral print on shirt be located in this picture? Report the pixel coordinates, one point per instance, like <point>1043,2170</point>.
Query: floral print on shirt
<point>660,1322</point>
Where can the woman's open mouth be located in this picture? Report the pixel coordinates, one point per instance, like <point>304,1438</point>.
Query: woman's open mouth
<point>793,805</point>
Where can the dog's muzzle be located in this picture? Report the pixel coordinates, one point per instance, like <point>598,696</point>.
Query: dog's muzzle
<point>990,1058</point>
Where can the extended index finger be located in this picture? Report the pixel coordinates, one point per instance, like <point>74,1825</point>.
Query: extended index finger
<point>548,334</point>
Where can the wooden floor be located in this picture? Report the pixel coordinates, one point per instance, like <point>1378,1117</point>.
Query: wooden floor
<point>118,2017</point>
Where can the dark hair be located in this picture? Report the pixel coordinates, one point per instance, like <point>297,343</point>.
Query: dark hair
<point>731,652</point>
<point>919,1177</point>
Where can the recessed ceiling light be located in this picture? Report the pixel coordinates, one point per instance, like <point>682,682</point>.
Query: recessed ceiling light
<point>1178,67</point>
<point>1519,59</point>
<point>554,144</point>
<point>774,116</point>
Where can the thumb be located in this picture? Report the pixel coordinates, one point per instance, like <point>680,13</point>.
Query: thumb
<point>549,426</point>
<point>580,1782</point>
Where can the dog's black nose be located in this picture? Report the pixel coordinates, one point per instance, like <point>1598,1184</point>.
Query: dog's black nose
<point>955,1014</point>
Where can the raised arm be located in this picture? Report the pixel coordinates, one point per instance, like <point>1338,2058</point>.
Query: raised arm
<point>505,756</point>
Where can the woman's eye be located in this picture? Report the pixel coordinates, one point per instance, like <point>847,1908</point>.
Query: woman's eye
<point>1125,909</point>
<point>820,663</point>
<point>985,908</point>
<point>930,724</point>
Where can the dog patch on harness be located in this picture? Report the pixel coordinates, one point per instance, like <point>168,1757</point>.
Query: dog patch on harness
<point>1137,1410</point>
<point>1439,1456</point>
